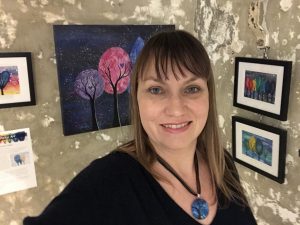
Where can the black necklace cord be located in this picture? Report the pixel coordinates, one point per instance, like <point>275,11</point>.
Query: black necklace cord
<point>198,184</point>
<point>168,167</point>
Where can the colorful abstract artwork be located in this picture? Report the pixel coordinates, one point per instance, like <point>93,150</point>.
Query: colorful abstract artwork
<point>262,86</point>
<point>16,80</point>
<point>94,64</point>
<point>9,80</point>
<point>259,147</point>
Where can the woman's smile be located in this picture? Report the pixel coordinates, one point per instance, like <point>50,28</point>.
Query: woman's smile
<point>176,127</point>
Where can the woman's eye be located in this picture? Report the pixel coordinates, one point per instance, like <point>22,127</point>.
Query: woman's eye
<point>155,90</point>
<point>192,90</point>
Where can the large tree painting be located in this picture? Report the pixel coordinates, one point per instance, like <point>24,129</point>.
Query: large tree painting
<point>94,64</point>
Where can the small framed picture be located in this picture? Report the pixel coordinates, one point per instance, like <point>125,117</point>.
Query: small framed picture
<point>259,147</point>
<point>262,86</point>
<point>16,80</point>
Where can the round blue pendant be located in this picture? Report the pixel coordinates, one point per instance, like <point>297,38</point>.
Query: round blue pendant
<point>199,209</point>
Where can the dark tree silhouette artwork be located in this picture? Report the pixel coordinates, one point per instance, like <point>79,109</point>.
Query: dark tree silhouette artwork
<point>4,79</point>
<point>89,85</point>
<point>115,67</point>
<point>112,50</point>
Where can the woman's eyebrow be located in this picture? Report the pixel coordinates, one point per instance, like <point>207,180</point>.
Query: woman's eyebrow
<point>155,79</point>
<point>152,78</point>
<point>194,78</point>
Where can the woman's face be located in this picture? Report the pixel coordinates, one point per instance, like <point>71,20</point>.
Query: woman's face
<point>173,112</point>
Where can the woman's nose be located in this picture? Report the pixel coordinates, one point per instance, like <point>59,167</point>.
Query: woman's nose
<point>175,106</point>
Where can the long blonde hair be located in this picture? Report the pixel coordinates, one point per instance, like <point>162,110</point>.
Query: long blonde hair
<point>183,50</point>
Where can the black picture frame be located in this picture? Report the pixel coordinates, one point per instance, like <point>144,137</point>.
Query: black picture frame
<point>16,80</point>
<point>262,86</point>
<point>259,147</point>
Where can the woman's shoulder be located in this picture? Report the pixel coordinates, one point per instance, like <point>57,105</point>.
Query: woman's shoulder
<point>111,166</point>
<point>114,162</point>
<point>106,172</point>
<point>97,186</point>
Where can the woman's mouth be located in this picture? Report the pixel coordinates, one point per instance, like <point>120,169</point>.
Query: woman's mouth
<point>176,125</point>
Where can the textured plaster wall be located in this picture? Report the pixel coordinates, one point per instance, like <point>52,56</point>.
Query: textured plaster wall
<point>26,25</point>
<point>223,28</point>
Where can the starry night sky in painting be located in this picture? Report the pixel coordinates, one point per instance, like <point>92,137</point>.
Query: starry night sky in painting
<point>78,48</point>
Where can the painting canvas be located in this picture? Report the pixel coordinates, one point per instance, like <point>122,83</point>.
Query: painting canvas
<point>16,80</point>
<point>257,147</point>
<point>260,86</point>
<point>94,64</point>
<point>260,147</point>
<point>12,86</point>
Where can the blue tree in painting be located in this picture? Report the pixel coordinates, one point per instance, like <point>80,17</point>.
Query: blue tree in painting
<point>136,49</point>
<point>4,79</point>
<point>259,148</point>
<point>115,68</point>
<point>89,85</point>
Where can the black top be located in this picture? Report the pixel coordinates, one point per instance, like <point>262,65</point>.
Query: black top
<point>117,190</point>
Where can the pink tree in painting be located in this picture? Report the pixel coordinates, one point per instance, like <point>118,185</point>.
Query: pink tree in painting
<point>89,85</point>
<point>115,67</point>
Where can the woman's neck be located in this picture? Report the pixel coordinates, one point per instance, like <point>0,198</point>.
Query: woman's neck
<point>181,160</point>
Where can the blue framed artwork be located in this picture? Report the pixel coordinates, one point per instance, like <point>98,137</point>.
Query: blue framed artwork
<point>259,147</point>
<point>262,86</point>
<point>94,64</point>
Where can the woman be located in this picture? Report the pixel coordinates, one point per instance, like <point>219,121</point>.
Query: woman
<point>175,171</point>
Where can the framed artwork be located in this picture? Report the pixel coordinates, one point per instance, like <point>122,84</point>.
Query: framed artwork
<point>259,147</point>
<point>16,80</point>
<point>94,64</point>
<point>262,86</point>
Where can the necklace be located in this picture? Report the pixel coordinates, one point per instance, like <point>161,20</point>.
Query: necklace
<point>199,206</point>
